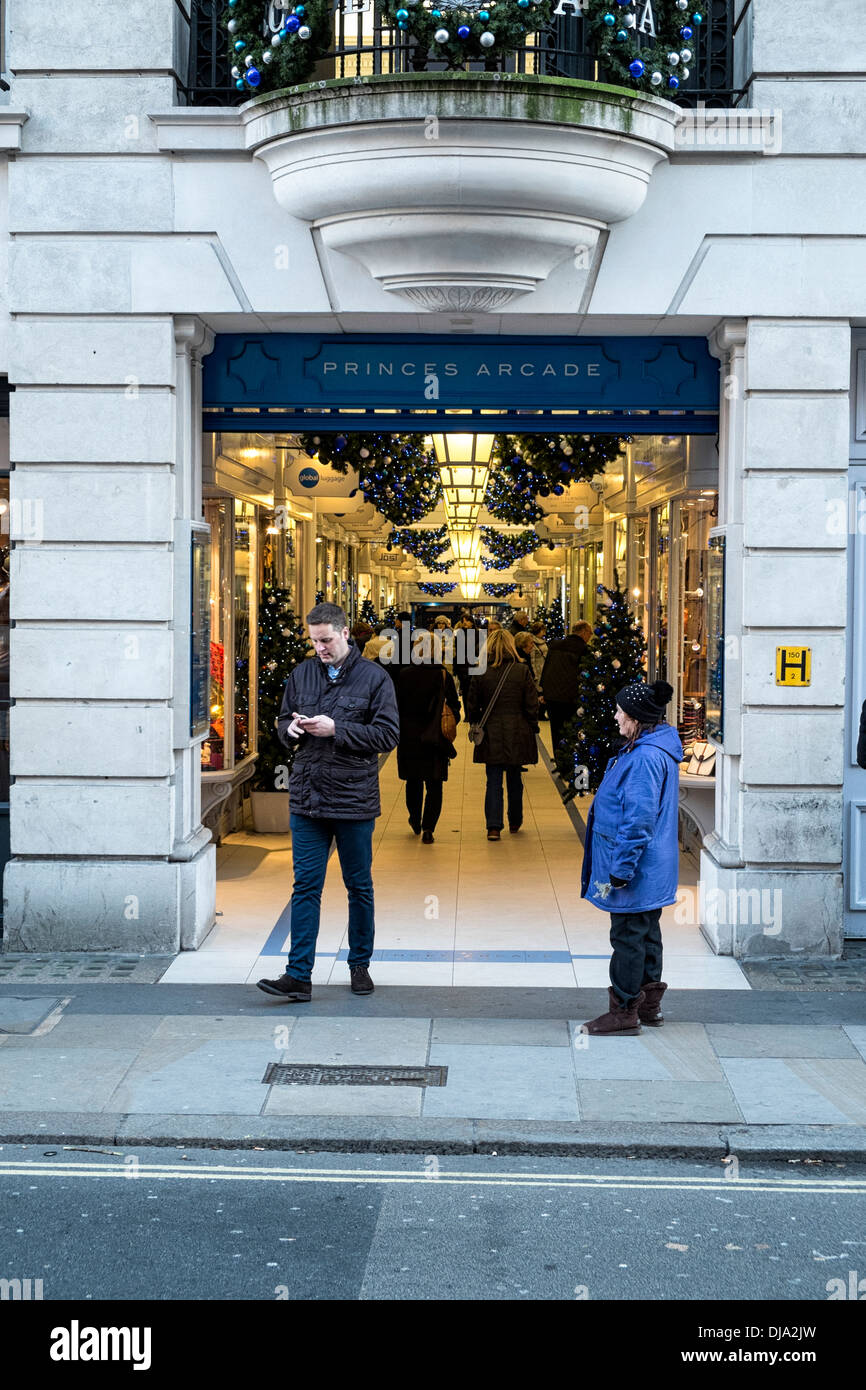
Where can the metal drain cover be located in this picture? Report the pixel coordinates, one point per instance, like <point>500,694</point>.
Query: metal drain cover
<point>292,1074</point>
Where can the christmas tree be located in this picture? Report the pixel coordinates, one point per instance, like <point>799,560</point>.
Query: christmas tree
<point>390,620</point>
<point>282,645</point>
<point>542,615</point>
<point>616,658</point>
<point>368,613</point>
<point>554,621</point>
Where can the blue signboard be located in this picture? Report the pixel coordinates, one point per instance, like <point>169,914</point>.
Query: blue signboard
<point>298,376</point>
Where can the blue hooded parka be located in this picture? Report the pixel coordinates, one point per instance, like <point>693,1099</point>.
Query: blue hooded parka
<point>631,830</point>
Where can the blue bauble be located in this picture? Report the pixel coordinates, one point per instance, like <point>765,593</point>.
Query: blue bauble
<point>636,68</point>
<point>402,14</point>
<point>523,4</point>
<point>697,19</point>
<point>401,24</point>
<point>240,84</point>
<point>254,77</point>
<point>239,45</point>
<point>464,31</point>
<point>340,441</point>
<point>621,36</point>
<point>673,83</point>
<point>484,14</point>
<point>598,631</point>
<point>686,31</point>
<point>437,14</point>
<point>609,19</point>
<point>300,10</point>
<point>558,490</point>
<point>293,24</point>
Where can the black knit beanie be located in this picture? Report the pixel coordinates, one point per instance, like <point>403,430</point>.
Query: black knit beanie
<point>645,703</point>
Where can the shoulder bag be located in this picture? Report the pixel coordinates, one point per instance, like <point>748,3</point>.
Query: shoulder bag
<point>448,721</point>
<point>477,731</point>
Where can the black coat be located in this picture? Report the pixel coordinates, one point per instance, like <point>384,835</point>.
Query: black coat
<point>509,734</point>
<point>861,741</point>
<point>423,752</point>
<point>339,777</point>
<point>560,669</point>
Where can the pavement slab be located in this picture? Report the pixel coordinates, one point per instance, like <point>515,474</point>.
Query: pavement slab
<point>485,1082</point>
<point>772,1090</point>
<point>779,1040</point>
<point>660,1101</point>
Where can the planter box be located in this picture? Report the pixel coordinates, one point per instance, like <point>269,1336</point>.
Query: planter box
<point>270,812</point>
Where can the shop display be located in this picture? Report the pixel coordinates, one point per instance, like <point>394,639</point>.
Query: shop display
<point>282,644</point>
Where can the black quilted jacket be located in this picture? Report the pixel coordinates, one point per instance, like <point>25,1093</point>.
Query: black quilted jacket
<point>338,777</point>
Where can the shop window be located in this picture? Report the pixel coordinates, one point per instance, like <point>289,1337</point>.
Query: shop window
<point>662,548</point>
<point>213,753</point>
<point>245,616</point>
<point>638,574</point>
<point>696,516</point>
<point>233,608</point>
<point>715,587</point>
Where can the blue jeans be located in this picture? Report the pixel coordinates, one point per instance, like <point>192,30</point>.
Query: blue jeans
<point>493,797</point>
<point>311,844</point>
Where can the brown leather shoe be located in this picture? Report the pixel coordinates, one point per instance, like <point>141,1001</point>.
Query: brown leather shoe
<point>620,1018</point>
<point>649,1012</point>
<point>494,834</point>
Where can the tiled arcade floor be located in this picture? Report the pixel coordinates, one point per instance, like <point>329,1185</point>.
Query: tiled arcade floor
<point>461,911</point>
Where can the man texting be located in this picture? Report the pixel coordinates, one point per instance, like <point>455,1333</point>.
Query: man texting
<point>343,712</point>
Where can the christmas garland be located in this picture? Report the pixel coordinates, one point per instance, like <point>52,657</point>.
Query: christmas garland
<point>506,547</point>
<point>397,473</point>
<point>456,32</point>
<point>644,43</point>
<point>437,590</point>
<point>426,546</point>
<point>499,590</point>
<point>285,57</point>
<point>538,465</point>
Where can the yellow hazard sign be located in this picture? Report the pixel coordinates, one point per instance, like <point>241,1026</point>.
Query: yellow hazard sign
<point>793,665</point>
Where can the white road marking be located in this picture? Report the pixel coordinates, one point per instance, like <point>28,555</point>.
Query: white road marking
<point>397,1177</point>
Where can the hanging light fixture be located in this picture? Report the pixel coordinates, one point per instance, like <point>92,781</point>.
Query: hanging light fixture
<point>464,469</point>
<point>471,590</point>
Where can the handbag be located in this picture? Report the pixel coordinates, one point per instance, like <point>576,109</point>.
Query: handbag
<point>703,760</point>
<point>448,722</point>
<point>477,731</point>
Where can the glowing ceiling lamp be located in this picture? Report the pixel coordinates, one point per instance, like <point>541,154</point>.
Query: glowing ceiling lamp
<point>471,590</point>
<point>464,469</point>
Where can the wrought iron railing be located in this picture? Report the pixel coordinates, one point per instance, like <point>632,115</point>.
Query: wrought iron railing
<point>364,46</point>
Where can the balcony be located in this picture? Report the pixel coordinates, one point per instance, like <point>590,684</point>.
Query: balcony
<point>520,175</point>
<point>363,46</point>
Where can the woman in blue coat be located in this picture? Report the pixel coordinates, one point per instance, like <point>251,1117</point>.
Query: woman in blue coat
<point>631,855</point>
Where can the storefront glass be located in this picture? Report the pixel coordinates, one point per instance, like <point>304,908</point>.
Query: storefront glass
<point>638,577</point>
<point>662,548</point>
<point>695,520</point>
<point>213,753</point>
<point>245,591</point>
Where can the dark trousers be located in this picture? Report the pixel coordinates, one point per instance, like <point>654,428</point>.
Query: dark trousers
<point>636,939</point>
<point>493,796</point>
<point>559,712</point>
<point>421,812</point>
<point>311,844</point>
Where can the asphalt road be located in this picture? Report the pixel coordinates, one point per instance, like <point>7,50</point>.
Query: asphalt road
<point>157,1224</point>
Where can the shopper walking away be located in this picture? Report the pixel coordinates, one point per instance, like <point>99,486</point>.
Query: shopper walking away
<point>631,855</point>
<point>506,699</point>
<point>424,691</point>
<point>559,678</point>
<point>342,712</point>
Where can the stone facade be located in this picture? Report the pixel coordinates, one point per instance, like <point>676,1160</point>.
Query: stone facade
<point>134,228</point>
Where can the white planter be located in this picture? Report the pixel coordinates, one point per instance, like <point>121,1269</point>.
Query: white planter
<point>461,190</point>
<point>270,812</point>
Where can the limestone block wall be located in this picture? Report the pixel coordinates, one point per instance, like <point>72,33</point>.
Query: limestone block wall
<point>108,850</point>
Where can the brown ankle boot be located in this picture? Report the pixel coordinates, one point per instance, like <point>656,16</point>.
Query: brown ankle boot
<point>620,1018</point>
<point>649,1012</point>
